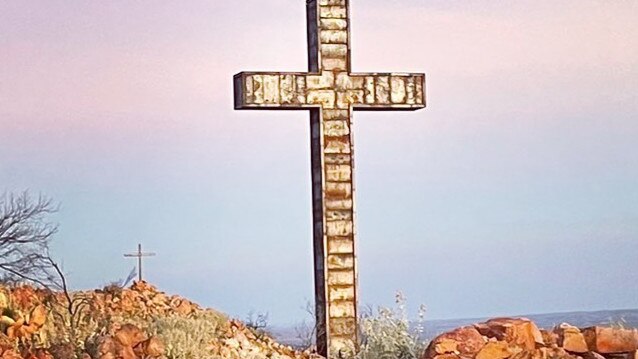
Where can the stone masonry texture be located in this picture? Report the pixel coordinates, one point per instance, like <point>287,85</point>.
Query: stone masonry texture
<point>331,92</point>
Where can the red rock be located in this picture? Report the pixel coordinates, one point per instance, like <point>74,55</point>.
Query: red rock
<point>466,341</point>
<point>150,348</point>
<point>520,332</point>
<point>129,335</point>
<point>610,340</point>
<point>571,339</point>
<point>494,350</point>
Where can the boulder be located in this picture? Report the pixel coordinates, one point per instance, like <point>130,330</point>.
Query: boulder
<point>129,335</point>
<point>466,341</point>
<point>571,339</point>
<point>519,332</point>
<point>150,348</point>
<point>610,340</point>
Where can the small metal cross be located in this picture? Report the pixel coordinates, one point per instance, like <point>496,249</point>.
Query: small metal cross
<point>139,255</point>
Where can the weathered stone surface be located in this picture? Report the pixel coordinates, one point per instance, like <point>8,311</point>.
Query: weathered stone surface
<point>494,350</point>
<point>334,12</point>
<point>325,98</point>
<point>466,341</point>
<point>339,228</point>
<point>333,24</point>
<point>340,246</point>
<point>343,309</point>
<point>330,64</point>
<point>341,278</point>
<point>341,293</point>
<point>398,91</point>
<point>382,90</point>
<point>343,326</point>
<point>571,339</point>
<point>341,261</point>
<point>516,331</point>
<point>321,82</point>
<point>611,340</point>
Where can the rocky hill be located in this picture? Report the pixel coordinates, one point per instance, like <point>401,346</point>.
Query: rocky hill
<point>134,323</point>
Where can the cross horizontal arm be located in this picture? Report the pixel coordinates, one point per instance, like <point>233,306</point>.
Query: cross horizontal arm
<point>271,90</point>
<point>329,90</point>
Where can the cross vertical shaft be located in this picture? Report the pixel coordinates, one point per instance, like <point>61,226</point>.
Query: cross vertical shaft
<point>139,255</point>
<point>332,181</point>
<point>331,92</point>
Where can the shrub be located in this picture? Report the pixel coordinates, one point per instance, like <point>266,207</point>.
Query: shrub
<point>189,337</point>
<point>386,333</point>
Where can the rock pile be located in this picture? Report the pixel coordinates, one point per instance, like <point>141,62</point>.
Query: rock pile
<point>520,338</point>
<point>30,312</point>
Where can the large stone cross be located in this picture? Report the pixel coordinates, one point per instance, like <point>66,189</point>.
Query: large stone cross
<point>331,92</point>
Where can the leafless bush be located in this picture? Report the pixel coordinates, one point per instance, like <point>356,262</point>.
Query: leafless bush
<point>25,234</point>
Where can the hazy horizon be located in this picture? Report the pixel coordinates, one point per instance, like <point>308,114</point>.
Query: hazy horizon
<point>515,191</point>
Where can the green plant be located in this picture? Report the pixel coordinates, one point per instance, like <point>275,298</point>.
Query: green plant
<point>386,333</point>
<point>189,337</point>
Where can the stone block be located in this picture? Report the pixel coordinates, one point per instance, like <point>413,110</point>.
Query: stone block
<point>333,12</point>
<point>369,90</point>
<point>332,2</point>
<point>338,215</point>
<point>249,90</point>
<point>343,326</point>
<point>340,278</point>
<point>398,91</point>
<point>325,81</point>
<point>333,36</point>
<point>348,98</point>
<point>339,204</point>
<point>339,190</point>
<point>336,128</point>
<point>341,293</point>
<point>287,87</point>
<point>337,144</point>
<point>410,89</point>
<point>346,82</point>
<point>258,89</point>
<point>338,173</point>
<point>339,228</point>
<point>333,24</point>
<point>301,89</point>
<point>340,246</point>
<point>341,261</point>
<point>334,50</point>
<point>337,159</point>
<point>343,309</point>
<point>336,115</point>
<point>325,98</point>
<point>332,64</point>
<point>271,89</point>
<point>383,90</point>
